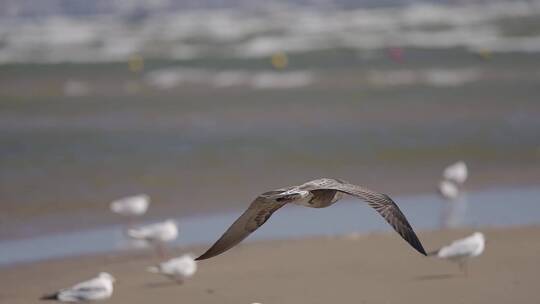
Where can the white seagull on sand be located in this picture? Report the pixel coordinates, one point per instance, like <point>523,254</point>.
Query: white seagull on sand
<point>131,206</point>
<point>318,193</point>
<point>456,172</point>
<point>448,190</point>
<point>98,288</point>
<point>462,250</point>
<point>178,269</point>
<point>156,234</point>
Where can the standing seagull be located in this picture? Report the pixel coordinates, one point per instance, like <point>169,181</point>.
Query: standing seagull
<point>98,288</point>
<point>157,234</point>
<point>178,269</point>
<point>456,172</point>
<point>448,190</point>
<point>317,193</point>
<point>462,250</point>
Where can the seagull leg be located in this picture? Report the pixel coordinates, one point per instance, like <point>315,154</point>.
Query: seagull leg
<point>130,222</point>
<point>463,268</point>
<point>161,250</point>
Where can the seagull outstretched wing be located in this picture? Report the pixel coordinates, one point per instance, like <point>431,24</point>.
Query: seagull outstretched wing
<point>382,203</point>
<point>254,217</point>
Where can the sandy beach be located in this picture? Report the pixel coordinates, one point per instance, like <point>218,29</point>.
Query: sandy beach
<point>371,268</point>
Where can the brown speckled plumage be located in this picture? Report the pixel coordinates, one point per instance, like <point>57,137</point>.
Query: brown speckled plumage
<point>317,193</point>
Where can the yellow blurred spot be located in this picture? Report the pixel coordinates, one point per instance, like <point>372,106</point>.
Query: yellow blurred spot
<point>280,60</point>
<point>135,63</point>
<point>485,54</point>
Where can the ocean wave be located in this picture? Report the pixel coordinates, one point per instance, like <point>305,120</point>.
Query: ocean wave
<point>248,34</point>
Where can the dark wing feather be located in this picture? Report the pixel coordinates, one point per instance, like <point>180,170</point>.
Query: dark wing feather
<point>52,296</point>
<point>254,217</point>
<point>382,203</point>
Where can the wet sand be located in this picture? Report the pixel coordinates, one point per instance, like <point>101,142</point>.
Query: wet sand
<point>372,268</point>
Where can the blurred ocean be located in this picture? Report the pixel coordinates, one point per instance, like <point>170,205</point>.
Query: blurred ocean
<point>205,108</point>
<point>257,30</point>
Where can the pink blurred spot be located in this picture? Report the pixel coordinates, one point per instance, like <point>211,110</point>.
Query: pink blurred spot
<point>396,54</point>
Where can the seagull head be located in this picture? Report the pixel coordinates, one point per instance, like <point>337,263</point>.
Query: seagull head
<point>170,222</point>
<point>293,195</point>
<point>107,276</point>
<point>189,256</point>
<point>479,235</point>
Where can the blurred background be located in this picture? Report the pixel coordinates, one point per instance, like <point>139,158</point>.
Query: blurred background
<point>205,104</point>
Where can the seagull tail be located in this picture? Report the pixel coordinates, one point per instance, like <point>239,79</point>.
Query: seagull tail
<point>433,253</point>
<point>52,296</point>
<point>153,269</point>
<point>134,234</point>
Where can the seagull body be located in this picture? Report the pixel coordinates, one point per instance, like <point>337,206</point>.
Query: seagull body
<point>98,288</point>
<point>131,206</point>
<point>456,172</point>
<point>178,269</point>
<point>155,233</point>
<point>468,247</point>
<point>462,250</point>
<point>317,193</point>
<point>448,190</point>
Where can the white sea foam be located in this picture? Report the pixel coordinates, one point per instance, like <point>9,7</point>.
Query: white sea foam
<point>430,77</point>
<point>169,78</point>
<point>286,80</point>
<point>173,77</point>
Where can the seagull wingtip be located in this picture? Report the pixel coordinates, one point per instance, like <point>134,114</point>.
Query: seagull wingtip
<point>46,297</point>
<point>200,258</point>
<point>420,249</point>
<point>417,245</point>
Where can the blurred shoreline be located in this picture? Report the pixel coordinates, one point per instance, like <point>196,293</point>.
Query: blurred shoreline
<point>224,198</point>
<point>426,211</point>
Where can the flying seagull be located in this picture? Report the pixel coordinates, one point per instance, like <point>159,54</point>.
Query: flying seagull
<point>98,288</point>
<point>462,250</point>
<point>178,269</point>
<point>317,193</point>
